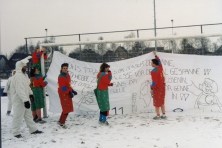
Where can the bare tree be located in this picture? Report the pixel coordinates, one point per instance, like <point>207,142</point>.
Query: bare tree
<point>55,48</point>
<point>102,47</point>
<point>201,43</point>
<point>113,46</point>
<point>220,40</point>
<point>129,45</point>
<point>187,46</point>
<point>21,49</point>
<point>89,46</point>
<point>77,50</point>
<point>214,47</point>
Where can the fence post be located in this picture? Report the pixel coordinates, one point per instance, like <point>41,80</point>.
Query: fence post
<point>137,33</point>
<point>80,54</point>
<point>202,50</point>
<point>27,52</point>
<point>42,62</point>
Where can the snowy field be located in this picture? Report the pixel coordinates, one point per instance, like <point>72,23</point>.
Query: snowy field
<point>179,130</point>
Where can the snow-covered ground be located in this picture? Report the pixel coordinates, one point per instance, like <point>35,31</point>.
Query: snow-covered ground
<point>3,83</point>
<point>180,130</point>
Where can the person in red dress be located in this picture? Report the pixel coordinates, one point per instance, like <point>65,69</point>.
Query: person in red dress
<point>37,102</point>
<point>158,87</point>
<point>66,94</point>
<point>104,78</point>
<point>36,56</point>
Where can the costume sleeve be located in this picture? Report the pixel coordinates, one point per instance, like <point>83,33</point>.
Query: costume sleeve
<point>154,76</point>
<point>107,78</point>
<point>41,82</point>
<point>64,85</point>
<point>7,86</point>
<point>159,62</point>
<point>45,56</point>
<point>36,57</point>
<point>20,90</point>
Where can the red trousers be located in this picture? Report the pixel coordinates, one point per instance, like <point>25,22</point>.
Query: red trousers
<point>63,117</point>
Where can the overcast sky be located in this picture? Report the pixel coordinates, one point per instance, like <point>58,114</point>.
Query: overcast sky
<point>28,18</point>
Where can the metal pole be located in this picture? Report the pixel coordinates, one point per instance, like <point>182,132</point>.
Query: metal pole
<point>26,48</point>
<point>80,54</point>
<point>0,97</point>
<point>201,28</point>
<point>45,115</point>
<point>44,93</point>
<point>172,34</point>
<point>155,23</point>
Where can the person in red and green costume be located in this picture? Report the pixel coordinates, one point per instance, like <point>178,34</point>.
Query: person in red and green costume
<point>66,93</point>
<point>158,87</point>
<point>36,56</point>
<point>104,78</point>
<point>37,102</point>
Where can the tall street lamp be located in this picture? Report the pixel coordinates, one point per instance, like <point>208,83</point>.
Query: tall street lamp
<point>46,34</point>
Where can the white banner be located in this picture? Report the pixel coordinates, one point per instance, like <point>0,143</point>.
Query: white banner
<point>192,82</point>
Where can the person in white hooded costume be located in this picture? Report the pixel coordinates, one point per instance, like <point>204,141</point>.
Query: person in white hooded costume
<point>21,93</point>
<point>7,91</point>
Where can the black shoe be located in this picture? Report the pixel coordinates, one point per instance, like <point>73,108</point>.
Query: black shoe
<point>35,119</point>
<point>63,126</point>
<point>106,123</point>
<point>8,113</point>
<point>37,132</point>
<point>40,121</point>
<point>18,136</point>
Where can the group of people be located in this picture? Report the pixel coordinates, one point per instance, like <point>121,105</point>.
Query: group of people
<point>21,91</point>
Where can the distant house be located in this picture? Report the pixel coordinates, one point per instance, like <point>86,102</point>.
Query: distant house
<point>3,62</point>
<point>121,53</point>
<point>218,51</point>
<point>109,56</point>
<point>203,51</point>
<point>87,55</point>
<point>150,49</point>
<point>74,56</point>
<point>17,57</point>
<point>4,72</point>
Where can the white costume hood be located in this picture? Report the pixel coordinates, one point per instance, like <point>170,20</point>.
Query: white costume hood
<point>22,63</point>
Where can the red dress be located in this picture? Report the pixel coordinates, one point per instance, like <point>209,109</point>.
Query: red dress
<point>158,85</point>
<point>64,87</point>
<point>105,80</point>
<point>36,57</point>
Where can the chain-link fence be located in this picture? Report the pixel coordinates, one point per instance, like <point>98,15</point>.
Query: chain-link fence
<point>108,52</point>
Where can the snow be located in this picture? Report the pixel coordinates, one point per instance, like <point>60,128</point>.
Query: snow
<point>188,129</point>
<point>3,83</point>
